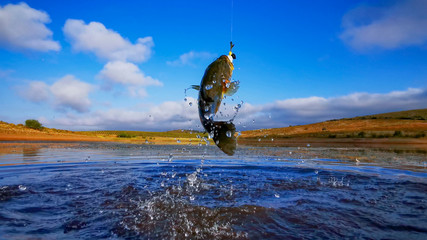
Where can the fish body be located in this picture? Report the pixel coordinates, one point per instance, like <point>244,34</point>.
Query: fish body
<point>216,83</point>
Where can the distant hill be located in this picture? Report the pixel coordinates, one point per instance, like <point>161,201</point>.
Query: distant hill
<point>418,114</point>
<point>19,132</point>
<point>402,124</point>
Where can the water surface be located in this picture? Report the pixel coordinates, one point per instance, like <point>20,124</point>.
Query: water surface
<point>119,191</point>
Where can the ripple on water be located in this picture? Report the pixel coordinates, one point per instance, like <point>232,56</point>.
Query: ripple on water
<point>240,198</point>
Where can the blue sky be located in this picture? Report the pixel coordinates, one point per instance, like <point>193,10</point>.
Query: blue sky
<point>84,65</point>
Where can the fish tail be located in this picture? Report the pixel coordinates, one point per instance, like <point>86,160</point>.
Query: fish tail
<point>224,136</point>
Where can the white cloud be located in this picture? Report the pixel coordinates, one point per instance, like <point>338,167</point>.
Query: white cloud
<point>180,115</point>
<point>23,28</point>
<point>106,43</point>
<point>399,25</point>
<point>36,91</point>
<point>129,74</point>
<point>190,57</point>
<point>316,109</point>
<point>70,92</point>
<point>126,73</point>
<point>166,116</point>
<point>67,92</point>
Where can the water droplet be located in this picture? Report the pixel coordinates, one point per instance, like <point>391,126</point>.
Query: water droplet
<point>178,141</point>
<point>146,141</point>
<point>192,179</point>
<point>308,145</point>
<point>217,142</point>
<point>211,134</point>
<point>173,175</point>
<point>277,195</point>
<point>272,139</point>
<point>22,187</point>
<point>253,120</point>
<point>208,87</point>
<point>207,109</point>
<point>170,157</point>
<point>185,99</point>
<point>191,199</point>
<point>190,103</point>
<point>228,133</point>
<point>259,139</point>
<point>316,172</point>
<point>207,116</point>
<point>213,81</point>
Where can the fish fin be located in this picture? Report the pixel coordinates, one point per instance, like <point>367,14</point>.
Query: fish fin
<point>232,88</point>
<point>224,136</point>
<point>195,87</point>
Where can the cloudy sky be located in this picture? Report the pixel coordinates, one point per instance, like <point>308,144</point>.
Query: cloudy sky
<point>86,65</point>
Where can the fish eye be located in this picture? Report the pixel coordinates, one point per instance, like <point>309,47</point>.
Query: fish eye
<point>233,56</point>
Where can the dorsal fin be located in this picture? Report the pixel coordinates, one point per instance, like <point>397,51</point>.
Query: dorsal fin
<point>195,87</point>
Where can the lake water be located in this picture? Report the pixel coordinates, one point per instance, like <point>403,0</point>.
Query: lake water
<point>119,191</point>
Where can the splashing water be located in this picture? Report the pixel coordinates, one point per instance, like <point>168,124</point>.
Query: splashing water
<point>126,192</point>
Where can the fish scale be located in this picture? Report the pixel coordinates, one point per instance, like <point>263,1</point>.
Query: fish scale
<point>216,83</point>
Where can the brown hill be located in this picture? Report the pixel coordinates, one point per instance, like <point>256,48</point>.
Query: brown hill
<point>19,132</point>
<point>417,114</point>
<point>13,132</point>
<point>397,124</point>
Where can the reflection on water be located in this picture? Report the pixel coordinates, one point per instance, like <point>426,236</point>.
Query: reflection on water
<point>93,191</point>
<point>30,153</point>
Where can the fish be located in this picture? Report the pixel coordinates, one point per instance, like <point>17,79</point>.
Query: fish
<point>216,83</point>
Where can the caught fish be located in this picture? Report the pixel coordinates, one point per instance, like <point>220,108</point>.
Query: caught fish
<point>216,83</point>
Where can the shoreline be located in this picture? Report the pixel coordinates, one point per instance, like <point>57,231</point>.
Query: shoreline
<point>397,143</point>
<point>403,143</point>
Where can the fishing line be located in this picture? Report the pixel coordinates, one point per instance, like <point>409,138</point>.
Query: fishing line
<point>231,21</point>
